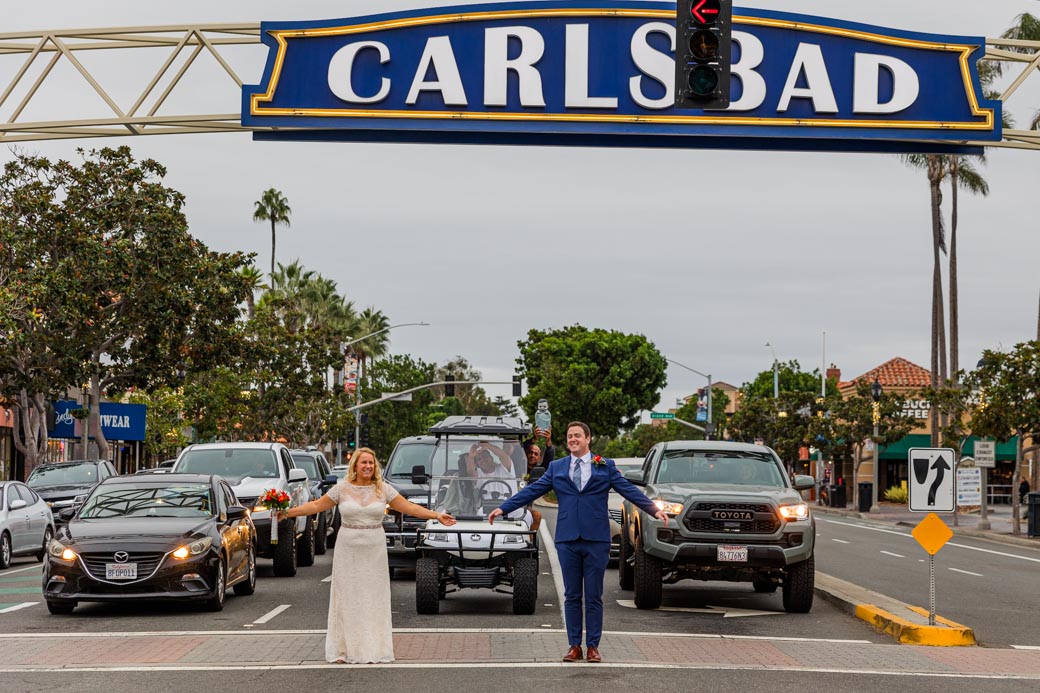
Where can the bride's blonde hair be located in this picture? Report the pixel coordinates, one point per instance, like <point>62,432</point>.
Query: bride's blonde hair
<point>377,475</point>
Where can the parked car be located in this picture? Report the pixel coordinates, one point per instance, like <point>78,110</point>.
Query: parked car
<point>340,470</point>
<point>251,469</point>
<point>60,483</point>
<point>167,537</point>
<point>614,503</point>
<point>154,470</point>
<point>26,523</point>
<point>738,518</point>
<point>326,527</point>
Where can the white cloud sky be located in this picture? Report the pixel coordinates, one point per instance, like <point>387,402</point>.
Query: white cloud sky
<point>486,242</point>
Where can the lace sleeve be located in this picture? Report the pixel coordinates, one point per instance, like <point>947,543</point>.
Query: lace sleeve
<point>334,492</point>
<point>390,492</point>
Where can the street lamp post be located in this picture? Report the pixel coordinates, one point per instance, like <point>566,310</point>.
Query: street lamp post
<point>709,429</point>
<point>984,523</point>
<point>875,393</point>
<point>776,372</point>
<point>343,348</point>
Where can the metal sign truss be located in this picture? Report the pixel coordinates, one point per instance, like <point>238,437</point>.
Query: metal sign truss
<point>183,45</point>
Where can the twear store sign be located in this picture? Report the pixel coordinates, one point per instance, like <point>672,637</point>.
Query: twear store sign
<point>602,73</point>
<point>118,421</point>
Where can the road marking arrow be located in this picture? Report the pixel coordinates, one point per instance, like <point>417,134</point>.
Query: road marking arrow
<point>941,466</point>
<point>725,611</point>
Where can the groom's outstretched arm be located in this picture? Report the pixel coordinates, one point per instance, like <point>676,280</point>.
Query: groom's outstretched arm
<point>528,494</point>
<point>629,491</point>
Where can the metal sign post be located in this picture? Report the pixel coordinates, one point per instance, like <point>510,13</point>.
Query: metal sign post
<point>932,534</point>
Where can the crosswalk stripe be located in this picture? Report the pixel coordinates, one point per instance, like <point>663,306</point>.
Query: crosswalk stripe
<point>16,607</point>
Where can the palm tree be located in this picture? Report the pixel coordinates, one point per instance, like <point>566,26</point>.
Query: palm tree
<point>1026,28</point>
<point>963,174</point>
<point>255,279</point>
<point>273,207</point>
<point>371,321</point>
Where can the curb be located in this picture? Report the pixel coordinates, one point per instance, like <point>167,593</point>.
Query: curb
<point>877,610</point>
<point>1006,539</point>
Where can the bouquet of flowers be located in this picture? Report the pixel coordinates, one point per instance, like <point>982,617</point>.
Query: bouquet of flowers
<point>275,500</point>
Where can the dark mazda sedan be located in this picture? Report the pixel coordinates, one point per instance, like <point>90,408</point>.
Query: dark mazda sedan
<point>161,537</point>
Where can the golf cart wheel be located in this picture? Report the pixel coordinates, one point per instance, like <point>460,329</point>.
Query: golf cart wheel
<point>427,586</point>
<point>625,575</point>
<point>525,586</point>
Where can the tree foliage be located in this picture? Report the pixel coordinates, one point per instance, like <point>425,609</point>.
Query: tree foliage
<point>604,378</point>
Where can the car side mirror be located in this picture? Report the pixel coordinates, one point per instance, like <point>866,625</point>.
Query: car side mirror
<point>67,514</point>
<point>236,512</point>
<point>419,475</point>
<point>635,476</point>
<point>297,475</point>
<point>536,474</point>
<point>803,482</point>
<point>330,480</point>
<point>18,504</point>
<point>79,500</point>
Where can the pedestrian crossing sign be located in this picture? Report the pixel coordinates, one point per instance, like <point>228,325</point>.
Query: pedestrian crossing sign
<point>933,481</point>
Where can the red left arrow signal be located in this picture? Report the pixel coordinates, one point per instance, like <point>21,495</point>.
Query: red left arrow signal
<point>705,11</point>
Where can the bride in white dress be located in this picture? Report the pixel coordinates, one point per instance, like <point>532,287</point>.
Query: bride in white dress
<point>359,626</point>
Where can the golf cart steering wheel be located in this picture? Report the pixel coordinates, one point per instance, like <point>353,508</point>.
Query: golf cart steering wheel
<point>492,494</point>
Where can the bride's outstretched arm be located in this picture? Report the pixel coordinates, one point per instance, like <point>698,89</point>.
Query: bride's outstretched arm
<point>313,508</point>
<point>406,507</point>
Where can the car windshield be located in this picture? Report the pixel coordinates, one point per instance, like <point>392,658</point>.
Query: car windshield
<point>61,475</point>
<point>148,499</point>
<point>407,456</point>
<point>307,464</point>
<point>234,464</point>
<point>473,476</point>
<point>709,467</point>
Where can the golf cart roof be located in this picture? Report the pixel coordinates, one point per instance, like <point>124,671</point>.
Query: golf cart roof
<point>481,426</point>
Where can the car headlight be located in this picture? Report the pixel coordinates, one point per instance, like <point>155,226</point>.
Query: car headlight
<point>797,511</point>
<point>669,507</point>
<point>512,539</point>
<point>260,508</point>
<point>439,537</point>
<point>59,550</point>
<point>193,549</point>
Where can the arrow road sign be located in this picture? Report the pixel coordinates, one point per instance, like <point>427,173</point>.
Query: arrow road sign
<point>932,481</point>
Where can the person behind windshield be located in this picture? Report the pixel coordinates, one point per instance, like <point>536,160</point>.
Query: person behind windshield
<point>257,469</point>
<point>462,497</point>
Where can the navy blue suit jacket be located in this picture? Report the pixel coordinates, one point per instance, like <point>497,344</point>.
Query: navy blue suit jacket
<point>582,514</point>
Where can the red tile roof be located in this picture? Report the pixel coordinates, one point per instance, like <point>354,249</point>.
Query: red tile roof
<point>897,373</point>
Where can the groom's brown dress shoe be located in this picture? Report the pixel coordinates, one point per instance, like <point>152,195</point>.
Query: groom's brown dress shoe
<point>573,654</point>
<point>592,656</point>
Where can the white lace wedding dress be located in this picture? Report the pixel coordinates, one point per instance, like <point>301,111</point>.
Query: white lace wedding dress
<point>359,628</point>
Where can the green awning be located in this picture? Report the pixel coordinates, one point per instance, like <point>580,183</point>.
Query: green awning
<point>900,449</point>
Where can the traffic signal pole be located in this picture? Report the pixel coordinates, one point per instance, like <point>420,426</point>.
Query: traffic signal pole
<point>397,395</point>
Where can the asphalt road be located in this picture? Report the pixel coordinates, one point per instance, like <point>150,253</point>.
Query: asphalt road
<point>989,586</point>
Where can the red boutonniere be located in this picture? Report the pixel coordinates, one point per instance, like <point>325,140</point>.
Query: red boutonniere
<point>597,460</point>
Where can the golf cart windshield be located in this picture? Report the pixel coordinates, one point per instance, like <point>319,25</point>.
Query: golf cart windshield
<point>473,477</point>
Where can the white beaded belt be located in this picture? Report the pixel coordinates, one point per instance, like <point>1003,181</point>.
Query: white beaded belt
<point>351,525</point>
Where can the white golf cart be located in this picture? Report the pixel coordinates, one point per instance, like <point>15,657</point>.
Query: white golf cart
<point>470,479</point>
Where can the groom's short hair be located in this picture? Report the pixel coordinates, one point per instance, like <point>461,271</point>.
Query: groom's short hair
<point>582,425</point>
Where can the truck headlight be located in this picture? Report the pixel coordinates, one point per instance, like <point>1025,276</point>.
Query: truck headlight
<point>669,507</point>
<point>797,511</point>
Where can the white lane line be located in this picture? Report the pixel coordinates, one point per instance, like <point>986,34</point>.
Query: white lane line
<point>554,561</point>
<point>713,666</point>
<point>1025,647</point>
<point>20,570</point>
<point>897,555</point>
<point>951,543</point>
<point>967,572</point>
<point>840,541</point>
<point>16,607</point>
<point>271,614</point>
<point>328,579</point>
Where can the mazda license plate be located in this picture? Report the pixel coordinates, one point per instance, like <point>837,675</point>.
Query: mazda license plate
<point>732,554</point>
<point>120,571</point>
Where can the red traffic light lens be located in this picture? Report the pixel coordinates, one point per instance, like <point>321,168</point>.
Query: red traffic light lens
<point>705,11</point>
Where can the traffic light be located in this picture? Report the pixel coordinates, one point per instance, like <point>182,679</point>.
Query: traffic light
<point>703,49</point>
<point>351,441</point>
<point>517,389</point>
<point>449,387</point>
<point>364,436</point>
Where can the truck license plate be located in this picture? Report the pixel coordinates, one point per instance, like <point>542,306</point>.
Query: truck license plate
<point>120,571</point>
<point>732,554</point>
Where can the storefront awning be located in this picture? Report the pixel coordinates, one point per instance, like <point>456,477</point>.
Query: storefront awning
<point>898,450</point>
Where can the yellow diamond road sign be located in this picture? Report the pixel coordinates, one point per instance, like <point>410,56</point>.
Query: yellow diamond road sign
<point>932,533</point>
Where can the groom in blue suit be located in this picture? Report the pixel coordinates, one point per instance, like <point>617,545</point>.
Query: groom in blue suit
<point>581,481</point>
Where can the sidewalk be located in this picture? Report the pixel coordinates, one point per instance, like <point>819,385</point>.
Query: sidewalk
<point>291,649</point>
<point>967,524</point>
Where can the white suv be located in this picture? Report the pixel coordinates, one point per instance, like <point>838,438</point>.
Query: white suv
<point>251,469</point>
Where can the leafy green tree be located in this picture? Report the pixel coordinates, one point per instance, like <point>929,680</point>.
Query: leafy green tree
<point>604,378</point>
<point>1008,406</point>
<point>505,406</point>
<point>164,423</point>
<point>390,421</point>
<point>273,207</point>
<point>791,378</point>
<point>473,398</point>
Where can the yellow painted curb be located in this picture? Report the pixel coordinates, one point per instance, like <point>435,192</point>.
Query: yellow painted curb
<point>949,634</point>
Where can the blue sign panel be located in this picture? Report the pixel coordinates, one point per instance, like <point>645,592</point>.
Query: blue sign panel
<point>602,73</point>
<point>118,421</point>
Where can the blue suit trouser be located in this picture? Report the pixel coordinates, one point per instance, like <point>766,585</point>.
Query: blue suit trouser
<point>583,563</point>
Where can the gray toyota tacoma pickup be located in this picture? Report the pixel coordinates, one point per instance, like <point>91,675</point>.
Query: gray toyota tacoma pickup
<point>734,516</point>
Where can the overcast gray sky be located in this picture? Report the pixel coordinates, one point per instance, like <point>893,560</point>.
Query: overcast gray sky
<point>796,244</point>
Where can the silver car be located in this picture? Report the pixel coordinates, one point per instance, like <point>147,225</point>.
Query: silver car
<point>614,502</point>
<point>26,523</point>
